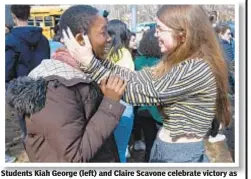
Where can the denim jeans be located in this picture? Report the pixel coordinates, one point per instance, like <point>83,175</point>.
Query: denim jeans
<point>123,131</point>
<point>163,152</point>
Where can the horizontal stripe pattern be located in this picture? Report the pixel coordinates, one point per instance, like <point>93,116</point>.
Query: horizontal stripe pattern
<point>187,92</point>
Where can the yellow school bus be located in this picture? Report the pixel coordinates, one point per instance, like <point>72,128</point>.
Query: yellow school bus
<point>46,17</point>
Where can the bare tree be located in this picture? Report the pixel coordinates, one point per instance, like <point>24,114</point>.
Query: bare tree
<point>147,13</point>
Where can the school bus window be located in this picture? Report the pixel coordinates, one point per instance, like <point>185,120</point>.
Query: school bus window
<point>31,21</point>
<point>39,21</point>
<point>57,19</point>
<point>48,21</point>
<point>48,18</point>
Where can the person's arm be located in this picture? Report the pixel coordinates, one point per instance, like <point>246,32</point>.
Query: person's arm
<point>184,79</point>
<point>9,64</point>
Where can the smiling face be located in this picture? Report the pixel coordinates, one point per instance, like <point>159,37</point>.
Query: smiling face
<point>166,37</point>
<point>133,43</point>
<point>98,36</point>
<point>85,19</point>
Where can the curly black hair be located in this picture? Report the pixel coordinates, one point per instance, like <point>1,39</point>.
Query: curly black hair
<point>149,45</point>
<point>78,18</point>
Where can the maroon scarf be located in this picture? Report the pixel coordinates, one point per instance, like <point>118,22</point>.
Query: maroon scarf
<point>64,56</point>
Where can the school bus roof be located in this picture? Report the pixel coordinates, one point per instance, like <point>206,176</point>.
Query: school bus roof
<point>48,10</point>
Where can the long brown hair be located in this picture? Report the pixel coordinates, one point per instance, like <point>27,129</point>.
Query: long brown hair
<point>200,42</point>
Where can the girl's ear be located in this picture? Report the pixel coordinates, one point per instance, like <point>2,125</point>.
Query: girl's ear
<point>80,39</point>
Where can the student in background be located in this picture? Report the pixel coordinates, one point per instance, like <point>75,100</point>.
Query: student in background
<point>120,55</point>
<point>133,45</point>
<point>226,39</point>
<point>55,43</point>
<point>138,144</point>
<point>25,48</point>
<point>149,116</point>
<point>225,36</point>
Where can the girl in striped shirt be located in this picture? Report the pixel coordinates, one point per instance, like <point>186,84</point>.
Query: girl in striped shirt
<point>190,82</point>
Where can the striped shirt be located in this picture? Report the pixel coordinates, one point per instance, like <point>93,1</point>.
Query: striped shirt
<point>187,93</point>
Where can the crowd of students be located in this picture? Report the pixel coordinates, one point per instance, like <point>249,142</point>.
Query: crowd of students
<point>83,95</point>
